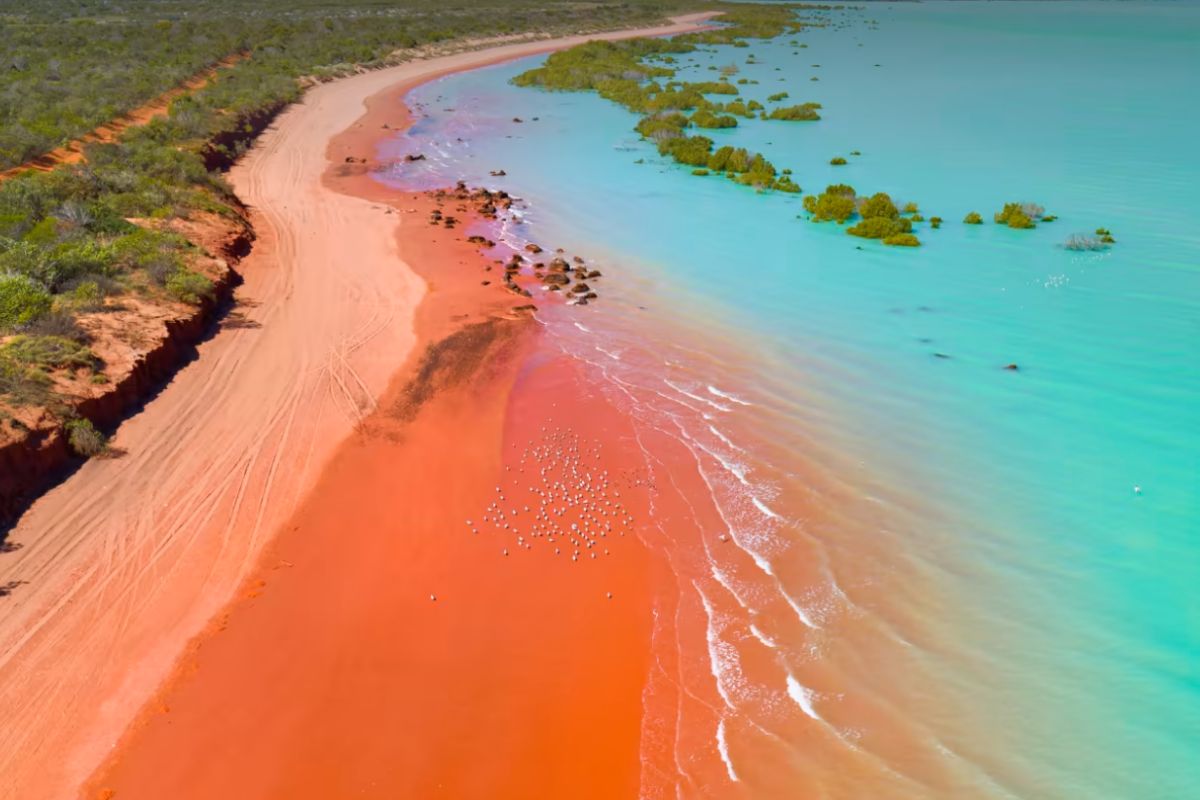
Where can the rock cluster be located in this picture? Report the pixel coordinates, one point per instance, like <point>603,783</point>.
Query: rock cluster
<point>570,277</point>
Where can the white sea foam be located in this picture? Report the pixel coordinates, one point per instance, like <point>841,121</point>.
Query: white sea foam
<point>609,353</point>
<point>731,466</point>
<point>802,696</point>
<point>728,396</point>
<point>799,609</point>
<point>767,641</point>
<point>695,397</point>
<point>764,508</point>
<point>716,663</point>
<point>725,439</point>
<point>723,749</point>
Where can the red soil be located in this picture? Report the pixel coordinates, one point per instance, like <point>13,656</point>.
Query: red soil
<point>73,152</point>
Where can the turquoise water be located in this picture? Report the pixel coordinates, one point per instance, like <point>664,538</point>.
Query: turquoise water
<point>1055,509</point>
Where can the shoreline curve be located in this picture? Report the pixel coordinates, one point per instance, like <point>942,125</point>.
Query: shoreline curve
<point>128,560</point>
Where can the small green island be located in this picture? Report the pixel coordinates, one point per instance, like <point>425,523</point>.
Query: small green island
<point>1020,216</point>
<point>878,216</point>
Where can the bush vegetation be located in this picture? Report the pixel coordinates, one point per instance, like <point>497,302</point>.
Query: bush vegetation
<point>837,204</point>
<point>1017,215</point>
<point>878,217</point>
<point>804,112</point>
<point>21,302</point>
<point>635,74</point>
<point>84,439</point>
<point>70,66</point>
<point>1022,215</point>
<point>48,353</point>
<point>902,240</point>
<point>973,218</point>
<point>72,237</point>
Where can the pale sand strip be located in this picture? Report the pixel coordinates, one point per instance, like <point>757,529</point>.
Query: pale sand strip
<point>127,560</point>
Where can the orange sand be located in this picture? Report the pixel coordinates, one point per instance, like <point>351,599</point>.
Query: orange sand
<point>339,675</point>
<point>125,562</point>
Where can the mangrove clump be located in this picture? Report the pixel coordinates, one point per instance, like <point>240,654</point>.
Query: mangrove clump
<point>835,204</point>
<point>804,112</point>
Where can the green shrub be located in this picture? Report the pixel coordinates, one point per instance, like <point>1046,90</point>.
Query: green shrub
<point>805,112</point>
<point>738,107</point>
<point>910,208</point>
<point>714,87</point>
<point>190,287</point>
<point>902,240</point>
<point>1014,216</point>
<point>87,296</point>
<point>837,161</point>
<point>84,439</point>
<point>23,385</point>
<point>701,172</point>
<point>878,205</point>
<point>662,124</point>
<point>784,183</point>
<point>836,203</point>
<point>879,227</point>
<point>707,119</point>
<point>48,352</point>
<point>21,301</point>
<point>775,98</point>
<point>973,218</point>
<point>935,222</point>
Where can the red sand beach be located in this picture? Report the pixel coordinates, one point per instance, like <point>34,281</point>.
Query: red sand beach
<point>388,647</point>
<point>127,561</point>
<point>401,637</point>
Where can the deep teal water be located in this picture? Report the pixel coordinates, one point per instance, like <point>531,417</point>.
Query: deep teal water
<point>1060,503</point>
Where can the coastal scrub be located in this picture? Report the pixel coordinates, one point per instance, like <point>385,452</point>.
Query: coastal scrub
<point>637,75</point>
